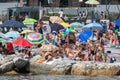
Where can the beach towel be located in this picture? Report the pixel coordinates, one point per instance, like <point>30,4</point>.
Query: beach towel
<point>49,62</point>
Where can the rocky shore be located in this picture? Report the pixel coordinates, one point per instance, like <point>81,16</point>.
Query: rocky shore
<point>62,66</point>
<point>69,67</point>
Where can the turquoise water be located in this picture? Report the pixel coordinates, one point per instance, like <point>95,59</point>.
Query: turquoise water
<point>56,77</point>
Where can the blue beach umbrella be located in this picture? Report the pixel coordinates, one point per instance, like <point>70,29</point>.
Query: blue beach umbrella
<point>4,38</point>
<point>118,22</point>
<point>13,34</point>
<point>13,24</point>
<point>76,25</point>
<point>85,35</point>
<point>93,26</point>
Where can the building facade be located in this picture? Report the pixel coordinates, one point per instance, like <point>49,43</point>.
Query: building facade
<point>66,3</point>
<point>60,3</point>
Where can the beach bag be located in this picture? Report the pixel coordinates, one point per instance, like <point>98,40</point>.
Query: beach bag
<point>112,59</point>
<point>108,52</point>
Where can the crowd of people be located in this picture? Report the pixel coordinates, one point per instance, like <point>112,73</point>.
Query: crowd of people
<point>69,46</point>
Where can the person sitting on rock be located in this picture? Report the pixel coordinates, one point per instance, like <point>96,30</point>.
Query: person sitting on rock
<point>48,56</point>
<point>100,55</point>
<point>80,56</point>
<point>26,54</point>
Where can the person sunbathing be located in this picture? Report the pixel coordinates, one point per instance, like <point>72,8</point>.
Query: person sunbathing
<point>46,57</point>
<point>80,56</point>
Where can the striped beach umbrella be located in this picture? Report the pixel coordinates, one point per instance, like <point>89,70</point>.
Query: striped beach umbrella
<point>66,25</point>
<point>66,31</point>
<point>35,38</point>
<point>27,31</point>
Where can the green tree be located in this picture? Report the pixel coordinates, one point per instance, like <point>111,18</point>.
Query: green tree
<point>108,14</point>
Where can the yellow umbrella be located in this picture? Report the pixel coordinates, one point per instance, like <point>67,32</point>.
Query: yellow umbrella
<point>27,31</point>
<point>66,25</point>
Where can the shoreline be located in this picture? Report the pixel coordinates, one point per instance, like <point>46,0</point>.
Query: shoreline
<point>62,66</point>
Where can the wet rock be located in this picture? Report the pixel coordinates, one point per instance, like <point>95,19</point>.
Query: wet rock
<point>95,69</point>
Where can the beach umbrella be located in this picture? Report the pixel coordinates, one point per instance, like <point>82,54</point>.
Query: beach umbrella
<point>56,19</point>
<point>66,31</point>
<point>35,38</point>
<point>48,47</point>
<point>56,27</point>
<point>3,35</point>
<point>65,25</point>
<point>4,38</point>
<point>92,2</point>
<point>13,34</point>
<point>118,22</point>
<point>76,25</point>
<point>85,35</point>
<point>29,20</point>
<point>93,26</point>
<point>21,42</point>
<point>13,24</point>
<point>116,31</point>
<point>27,31</point>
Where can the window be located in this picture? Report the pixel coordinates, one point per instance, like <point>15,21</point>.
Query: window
<point>63,3</point>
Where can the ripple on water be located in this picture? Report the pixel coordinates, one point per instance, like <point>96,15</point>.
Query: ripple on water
<point>56,77</point>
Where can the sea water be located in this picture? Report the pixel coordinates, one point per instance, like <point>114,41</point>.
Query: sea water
<point>56,77</point>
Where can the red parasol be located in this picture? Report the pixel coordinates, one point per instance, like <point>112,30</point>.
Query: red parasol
<point>22,42</point>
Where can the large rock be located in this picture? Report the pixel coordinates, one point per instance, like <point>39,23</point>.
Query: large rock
<point>5,58</point>
<point>66,66</point>
<point>57,66</point>
<point>9,66</point>
<point>64,69</point>
<point>20,63</point>
<point>40,68</point>
<point>17,64</point>
<point>92,68</point>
